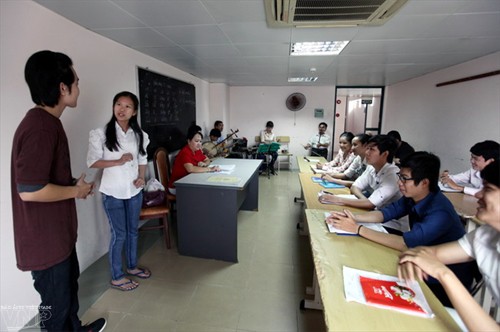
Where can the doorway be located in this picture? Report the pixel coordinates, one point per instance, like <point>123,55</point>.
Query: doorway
<point>358,110</point>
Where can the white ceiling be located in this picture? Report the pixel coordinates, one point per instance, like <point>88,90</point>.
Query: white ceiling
<point>228,41</point>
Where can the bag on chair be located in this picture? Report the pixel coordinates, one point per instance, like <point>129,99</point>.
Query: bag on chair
<point>154,194</point>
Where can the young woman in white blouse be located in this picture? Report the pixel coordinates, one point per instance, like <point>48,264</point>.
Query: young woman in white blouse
<point>119,149</point>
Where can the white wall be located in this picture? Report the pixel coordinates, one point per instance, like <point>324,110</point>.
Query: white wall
<point>251,107</point>
<point>447,120</point>
<point>104,68</point>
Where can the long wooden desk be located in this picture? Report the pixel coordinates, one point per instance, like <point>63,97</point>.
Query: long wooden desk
<point>466,207</point>
<point>207,209</point>
<point>331,252</point>
<point>305,166</point>
<point>310,192</point>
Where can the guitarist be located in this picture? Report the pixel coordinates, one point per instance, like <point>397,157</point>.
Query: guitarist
<point>219,125</point>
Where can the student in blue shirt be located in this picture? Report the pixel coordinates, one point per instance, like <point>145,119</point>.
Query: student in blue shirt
<point>432,217</point>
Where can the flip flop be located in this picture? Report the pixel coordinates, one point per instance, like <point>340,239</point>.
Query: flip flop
<point>143,273</point>
<point>123,286</point>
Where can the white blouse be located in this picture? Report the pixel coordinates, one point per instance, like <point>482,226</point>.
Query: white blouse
<point>117,181</point>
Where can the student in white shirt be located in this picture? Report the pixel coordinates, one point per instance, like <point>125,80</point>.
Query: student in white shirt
<point>379,181</point>
<point>356,168</point>
<point>470,182</point>
<point>319,142</point>
<point>120,150</point>
<point>482,244</point>
<point>344,157</point>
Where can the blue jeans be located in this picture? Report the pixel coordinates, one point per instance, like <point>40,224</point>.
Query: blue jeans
<point>58,289</point>
<point>123,215</point>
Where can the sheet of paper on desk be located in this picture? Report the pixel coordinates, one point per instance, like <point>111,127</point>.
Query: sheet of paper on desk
<point>350,196</point>
<point>326,184</point>
<point>224,179</point>
<point>313,160</point>
<point>317,171</point>
<point>364,286</point>
<point>446,188</point>
<point>375,226</point>
<point>225,169</point>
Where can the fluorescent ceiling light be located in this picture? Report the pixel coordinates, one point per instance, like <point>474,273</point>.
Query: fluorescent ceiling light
<point>318,48</point>
<point>302,79</point>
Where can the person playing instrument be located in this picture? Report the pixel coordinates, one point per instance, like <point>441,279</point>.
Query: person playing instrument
<point>319,142</point>
<point>482,244</point>
<point>344,157</point>
<point>356,168</point>
<point>211,148</point>
<point>469,182</point>
<point>190,159</point>
<point>267,137</point>
<point>219,125</point>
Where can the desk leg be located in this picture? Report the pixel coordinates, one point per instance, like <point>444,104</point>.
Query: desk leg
<point>316,304</point>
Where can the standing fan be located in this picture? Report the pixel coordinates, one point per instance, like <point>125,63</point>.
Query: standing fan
<point>295,102</point>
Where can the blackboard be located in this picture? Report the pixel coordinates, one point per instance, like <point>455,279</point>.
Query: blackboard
<point>168,108</point>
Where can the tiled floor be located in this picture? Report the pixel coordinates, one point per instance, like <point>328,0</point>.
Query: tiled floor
<point>260,293</point>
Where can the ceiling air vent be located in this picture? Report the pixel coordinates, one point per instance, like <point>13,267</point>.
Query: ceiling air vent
<point>329,13</point>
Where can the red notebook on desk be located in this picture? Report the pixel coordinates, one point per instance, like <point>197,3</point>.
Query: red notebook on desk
<point>390,295</point>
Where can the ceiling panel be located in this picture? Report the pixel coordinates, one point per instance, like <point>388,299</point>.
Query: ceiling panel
<point>228,41</point>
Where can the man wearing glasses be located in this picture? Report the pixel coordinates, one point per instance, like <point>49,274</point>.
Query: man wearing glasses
<point>432,217</point>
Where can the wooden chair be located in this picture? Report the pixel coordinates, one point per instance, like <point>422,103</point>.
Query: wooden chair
<point>161,212</point>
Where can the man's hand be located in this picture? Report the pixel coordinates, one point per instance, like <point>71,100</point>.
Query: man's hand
<point>344,221</point>
<point>419,263</point>
<point>84,188</point>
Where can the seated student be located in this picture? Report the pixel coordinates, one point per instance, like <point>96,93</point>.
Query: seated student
<point>219,125</point>
<point>190,159</point>
<point>469,182</point>
<point>357,167</point>
<point>433,219</point>
<point>379,180</point>
<point>319,142</point>
<point>482,244</point>
<point>344,157</point>
<point>403,148</point>
<point>210,148</point>
<point>267,137</point>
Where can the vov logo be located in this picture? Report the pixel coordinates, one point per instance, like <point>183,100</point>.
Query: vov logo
<point>15,317</point>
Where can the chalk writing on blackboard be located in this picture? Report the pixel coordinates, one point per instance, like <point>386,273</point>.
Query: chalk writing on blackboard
<point>168,108</point>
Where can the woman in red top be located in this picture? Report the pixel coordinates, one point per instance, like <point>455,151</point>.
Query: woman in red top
<point>190,159</point>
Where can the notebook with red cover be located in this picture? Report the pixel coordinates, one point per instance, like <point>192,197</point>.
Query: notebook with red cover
<point>390,295</point>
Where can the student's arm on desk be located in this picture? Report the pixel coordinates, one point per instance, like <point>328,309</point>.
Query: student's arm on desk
<point>421,262</point>
<point>190,168</point>
<point>362,201</point>
<point>347,222</point>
